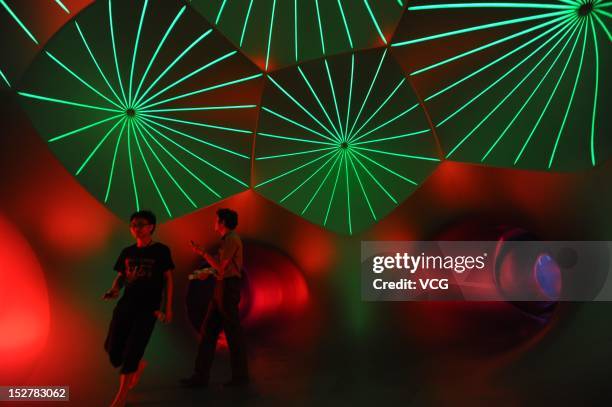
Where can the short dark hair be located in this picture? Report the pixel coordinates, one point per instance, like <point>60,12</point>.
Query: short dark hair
<point>228,217</point>
<point>146,215</point>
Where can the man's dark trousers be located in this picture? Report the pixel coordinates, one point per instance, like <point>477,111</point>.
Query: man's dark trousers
<point>223,314</point>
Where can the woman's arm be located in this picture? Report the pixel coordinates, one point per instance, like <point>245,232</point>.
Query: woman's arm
<point>217,265</point>
<point>169,294</point>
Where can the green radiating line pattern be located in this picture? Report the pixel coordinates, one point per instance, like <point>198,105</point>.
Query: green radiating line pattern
<point>342,141</point>
<point>525,86</point>
<point>147,106</point>
<point>277,33</point>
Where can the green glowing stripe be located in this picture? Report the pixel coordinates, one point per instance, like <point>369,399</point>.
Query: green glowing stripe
<point>168,173</point>
<point>552,94</point>
<point>499,79</point>
<point>203,108</point>
<point>191,74</point>
<point>204,90</point>
<point>196,139</point>
<point>246,21</point>
<point>171,65</point>
<point>365,100</point>
<point>80,129</point>
<point>301,140</point>
<point>159,46</point>
<point>490,64</point>
<point>333,92</point>
<point>295,101</point>
<point>346,27</point>
<point>393,92</point>
<point>508,94</point>
<point>385,167</point>
<point>270,34</point>
<point>320,27</point>
<point>312,91</point>
<point>348,194</point>
<point>112,168</point>
<point>312,198</point>
<point>491,5</point>
<point>67,102</point>
<point>220,12</point>
<point>146,164</point>
<point>97,147</point>
<point>179,162</point>
<point>382,37</point>
<point>280,116</point>
<point>400,3</point>
<point>603,26</point>
<point>308,179</point>
<point>596,94</point>
<point>112,33</point>
<point>295,29</point>
<point>571,101</point>
<point>96,63</point>
<point>294,169</point>
<point>59,3</point>
<point>605,13</point>
<point>97,92</point>
<point>142,15</point>
<point>381,186</point>
<point>350,97</point>
<point>193,154</point>
<point>414,133</point>
<point>365,195</point>
<point>478,28</point>
<point>268,157</point>
<point>535,90</point>
<point>414,157</point>
<point>5,78</point>
<point>391,120</point>
<point>607,4</point>
<point>198,124</point>
<point>331,198</point>
<point>18,21</point>
<point>129,148</point>
<point>488,45</point>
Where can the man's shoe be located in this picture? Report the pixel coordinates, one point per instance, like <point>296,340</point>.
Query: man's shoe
<point>194,381</point>
<point>237,383</point>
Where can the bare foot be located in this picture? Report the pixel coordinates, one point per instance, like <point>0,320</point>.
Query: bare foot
<point>137,374</point>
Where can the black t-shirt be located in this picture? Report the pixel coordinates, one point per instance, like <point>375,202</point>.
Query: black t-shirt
<point>143,269</point>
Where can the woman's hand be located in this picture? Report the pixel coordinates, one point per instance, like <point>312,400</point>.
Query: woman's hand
<point>196,248</point>
<point>165,317</point>
<point>111,294</point>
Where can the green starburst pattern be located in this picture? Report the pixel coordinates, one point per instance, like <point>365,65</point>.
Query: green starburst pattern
<point>147,106</point>
<point>514,84</point>
<point>277,33</point>
<point>342,141</point>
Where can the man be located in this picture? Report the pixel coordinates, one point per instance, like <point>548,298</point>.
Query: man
<point>223,309</point>
<point>144,269</point>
